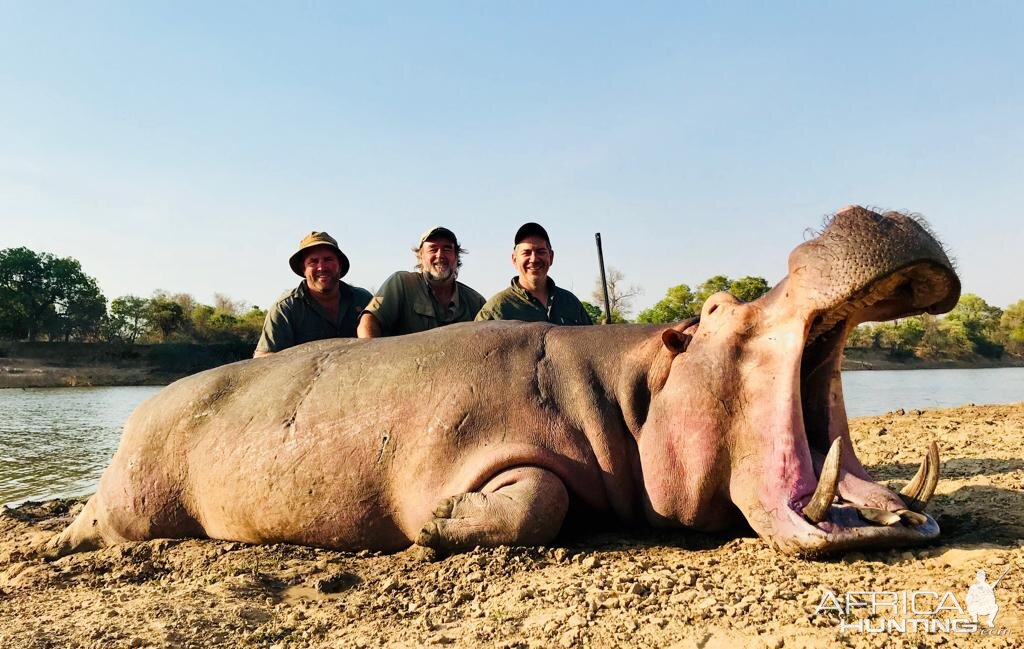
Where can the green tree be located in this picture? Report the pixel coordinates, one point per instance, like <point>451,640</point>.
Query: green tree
<point>681,302</point>
<point>200,317</point>
<point>942,338</point>
<point>44,294</point>
<point>902,337</point>
<point>1011,328</point>
<point>224,327</point>
<point>678,304</point>
<point>126,320</point>
<point>24,292</point>
<point>749,288</point>
<point>165,317</point>
<point>226,321</point>
<point>862,337</point>
<point>594,311</point>
<point>250,325</point>
<point>980,322</point>
<point>79,306</point>
<point>13,319</point>
<point>709,287</point>
<point>953,339</point>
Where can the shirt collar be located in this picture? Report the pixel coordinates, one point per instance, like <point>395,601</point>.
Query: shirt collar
<point>516,286</point>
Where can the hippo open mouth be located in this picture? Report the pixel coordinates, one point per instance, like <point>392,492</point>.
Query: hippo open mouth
<point>834,504</point>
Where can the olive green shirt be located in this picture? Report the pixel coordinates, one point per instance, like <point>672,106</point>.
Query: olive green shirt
<point>298,318</point>
<point>516,303</point>
<point>404,304</point>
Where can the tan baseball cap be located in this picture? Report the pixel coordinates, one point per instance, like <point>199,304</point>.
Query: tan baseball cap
<point>312,240</point>
<point>437,231</point>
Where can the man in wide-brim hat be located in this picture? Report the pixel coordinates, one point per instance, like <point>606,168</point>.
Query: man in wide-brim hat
<point>430,297</point>
<point>322,306</point>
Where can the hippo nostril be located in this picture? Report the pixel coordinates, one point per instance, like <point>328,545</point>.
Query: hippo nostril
<point>712,309</point>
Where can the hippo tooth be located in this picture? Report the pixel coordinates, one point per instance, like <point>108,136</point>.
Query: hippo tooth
<point>912,518</point>
<point>880,516</point>
<point>817,509</point>
<point>919,491</point>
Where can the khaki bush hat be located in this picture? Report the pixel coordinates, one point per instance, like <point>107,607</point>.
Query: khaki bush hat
<point>437,231</point>
<point>312,240</point>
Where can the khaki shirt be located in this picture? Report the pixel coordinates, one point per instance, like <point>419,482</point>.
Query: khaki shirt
<point>298,318</point>
<point>516,303</point>
<point>404,304</point>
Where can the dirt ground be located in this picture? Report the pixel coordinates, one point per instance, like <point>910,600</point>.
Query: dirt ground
<point>641,589</point>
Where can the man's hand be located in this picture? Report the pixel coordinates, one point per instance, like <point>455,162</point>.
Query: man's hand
<point>369,326</point>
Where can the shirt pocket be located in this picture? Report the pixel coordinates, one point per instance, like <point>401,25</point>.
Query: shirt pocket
<point>424,310</point>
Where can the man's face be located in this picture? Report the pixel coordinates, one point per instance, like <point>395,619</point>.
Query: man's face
<point>532,258</point>
<point>439,259</point>
<point>322,269</point>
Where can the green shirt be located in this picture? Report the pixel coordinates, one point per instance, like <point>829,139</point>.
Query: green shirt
<point>516,303</point>
<point>404,304</point>
<point>298,318</point>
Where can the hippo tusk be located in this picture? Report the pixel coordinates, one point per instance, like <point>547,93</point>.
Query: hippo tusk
<point>880,516</point>
<point>912,518</point>
<point>817,509</point>
<point>919,491</point>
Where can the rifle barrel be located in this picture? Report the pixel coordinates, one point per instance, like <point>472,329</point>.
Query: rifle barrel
<point>604,282</point>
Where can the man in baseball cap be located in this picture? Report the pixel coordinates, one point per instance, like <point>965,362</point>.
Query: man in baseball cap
<point>322,306</point>
<point>533,296</point>
<point>430,297</point>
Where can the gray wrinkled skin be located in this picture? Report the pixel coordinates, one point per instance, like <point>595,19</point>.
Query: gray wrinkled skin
<point>495,433</point>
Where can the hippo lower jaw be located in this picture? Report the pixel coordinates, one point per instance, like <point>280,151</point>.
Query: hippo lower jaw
<point>852,510</point>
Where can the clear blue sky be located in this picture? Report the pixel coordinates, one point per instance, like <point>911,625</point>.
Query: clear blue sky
<point>189,146</point>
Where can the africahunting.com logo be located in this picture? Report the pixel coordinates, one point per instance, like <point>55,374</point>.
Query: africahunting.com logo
<point>918,611</point>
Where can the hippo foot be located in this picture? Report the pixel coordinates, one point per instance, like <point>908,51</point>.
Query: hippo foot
<point>526,507</point>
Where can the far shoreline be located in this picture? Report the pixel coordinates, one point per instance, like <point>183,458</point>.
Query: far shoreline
<point>52,373</point>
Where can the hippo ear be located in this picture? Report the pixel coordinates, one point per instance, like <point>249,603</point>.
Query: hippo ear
<point>675,341</point>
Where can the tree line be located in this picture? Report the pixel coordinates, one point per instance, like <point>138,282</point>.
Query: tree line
<point>972,329</point>
<point>45,297</point>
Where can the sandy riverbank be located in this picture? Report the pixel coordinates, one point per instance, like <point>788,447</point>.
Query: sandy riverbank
<point>30,373</point>
<point>629,590</point>
<point>56,364</point>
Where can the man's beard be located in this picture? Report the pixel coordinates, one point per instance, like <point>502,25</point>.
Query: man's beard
<point>440,275</point>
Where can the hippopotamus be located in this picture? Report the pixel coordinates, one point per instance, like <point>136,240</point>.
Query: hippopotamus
<point>498,433</point>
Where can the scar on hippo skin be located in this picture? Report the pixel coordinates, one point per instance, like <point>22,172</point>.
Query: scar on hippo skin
<point>384,439</point>
<point>527,510</point>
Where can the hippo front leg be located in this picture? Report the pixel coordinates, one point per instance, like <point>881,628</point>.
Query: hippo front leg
<point>520,506</point>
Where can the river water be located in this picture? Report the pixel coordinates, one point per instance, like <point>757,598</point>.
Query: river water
<point>56,441</point>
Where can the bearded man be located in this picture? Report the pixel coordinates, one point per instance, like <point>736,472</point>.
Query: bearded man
<point>431,297</point>
<point>322,306</point>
